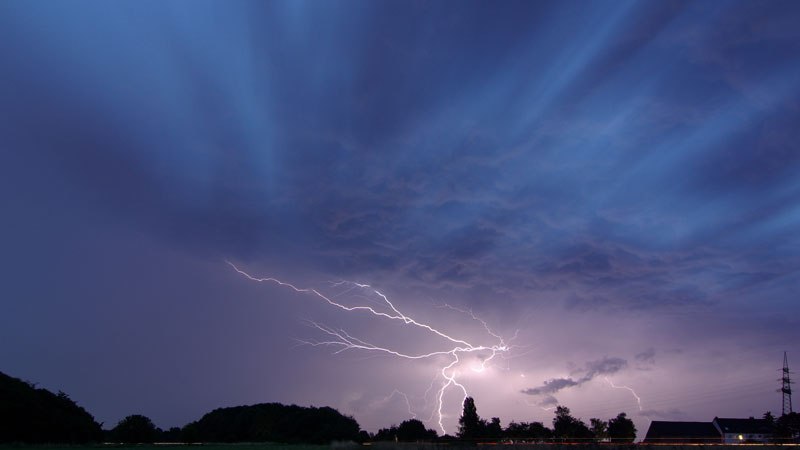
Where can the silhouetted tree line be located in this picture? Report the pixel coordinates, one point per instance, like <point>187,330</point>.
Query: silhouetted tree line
<point>265,422</point>
<point>31,415</point>
<point>273,422</point>
<point>473,428</point>
<point>411,430</point>
<point>135,428</point>
<point>785,427</point>
<point>565,428</point>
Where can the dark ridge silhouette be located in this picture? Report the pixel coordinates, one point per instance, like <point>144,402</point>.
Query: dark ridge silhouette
<point>37,416</point>
<point>273,422</point>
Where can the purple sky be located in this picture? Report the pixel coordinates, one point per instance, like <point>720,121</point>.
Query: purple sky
<point>616,182</point>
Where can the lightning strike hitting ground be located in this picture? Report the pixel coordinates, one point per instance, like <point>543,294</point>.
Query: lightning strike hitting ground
<point>635,395</point>
<point>342,340</point>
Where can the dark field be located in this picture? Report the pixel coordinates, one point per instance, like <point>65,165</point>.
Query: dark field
<point>396,446</point>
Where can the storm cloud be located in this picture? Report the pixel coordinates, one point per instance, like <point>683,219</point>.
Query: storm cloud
<point>604,178</point>
<point>590,370</point>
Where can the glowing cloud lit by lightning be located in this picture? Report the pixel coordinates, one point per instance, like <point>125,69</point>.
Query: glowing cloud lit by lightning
<point>454,349</point>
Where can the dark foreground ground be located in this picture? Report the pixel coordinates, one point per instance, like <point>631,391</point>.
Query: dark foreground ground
<point>394,446</point>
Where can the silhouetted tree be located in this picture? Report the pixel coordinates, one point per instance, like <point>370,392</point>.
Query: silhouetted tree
<point>273,422</point>
<point>493,429</point>
<point>413,430</point>
<point>787,427</point>
<point>135,429</point>
<point>621,429</point>
<point>535,431</point>
<point>190,432</point>
<point>174,434</point>
<point>770,419</point>
<point>516,430</point>
<point>469,424</point>
<point>566,427</point>
<point>363,437</point>
<point>386,434</point>
<point>540,432</point>
<point>599,429</point>
<point>562,422</point>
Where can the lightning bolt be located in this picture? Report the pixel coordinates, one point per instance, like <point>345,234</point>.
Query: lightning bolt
<point>549,408</point>
<point>635,395</point>
<point>408,402</point>
<point>342,340</point>
<point>489,331</point>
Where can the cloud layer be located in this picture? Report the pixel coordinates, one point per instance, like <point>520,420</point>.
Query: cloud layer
<point>610,178</point>
<point>591,370</point>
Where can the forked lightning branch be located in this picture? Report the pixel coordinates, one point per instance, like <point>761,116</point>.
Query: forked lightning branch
<point>452,347</point>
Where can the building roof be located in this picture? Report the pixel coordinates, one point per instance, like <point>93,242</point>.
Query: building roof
<point>743,426</point>
<point>694,432</point>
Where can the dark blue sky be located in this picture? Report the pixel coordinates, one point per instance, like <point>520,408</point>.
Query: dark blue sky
<point>618,181</point>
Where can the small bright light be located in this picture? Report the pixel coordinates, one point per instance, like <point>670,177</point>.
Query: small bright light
<point>741,437</point>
